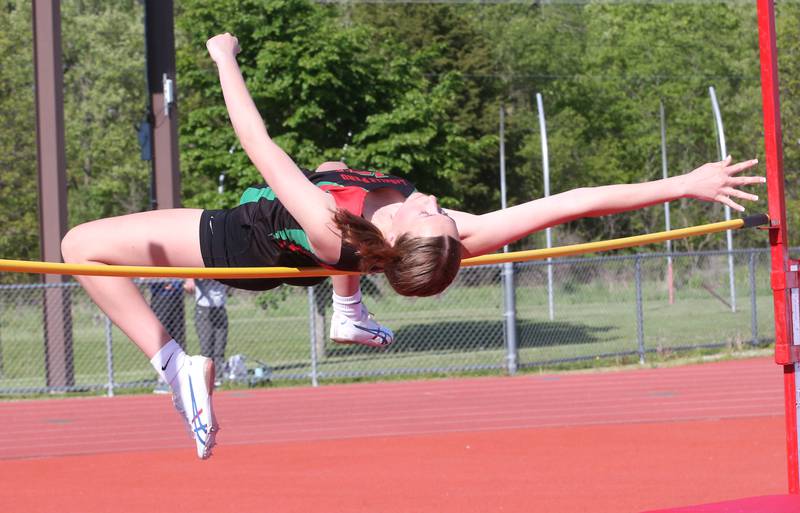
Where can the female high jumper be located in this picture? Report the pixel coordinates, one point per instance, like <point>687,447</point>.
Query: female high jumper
<point>339,218</point>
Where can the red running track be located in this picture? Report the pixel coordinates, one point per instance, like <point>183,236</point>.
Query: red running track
<point>595,442</point>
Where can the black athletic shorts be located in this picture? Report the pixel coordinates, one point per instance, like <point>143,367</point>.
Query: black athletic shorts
<point>226,240</point>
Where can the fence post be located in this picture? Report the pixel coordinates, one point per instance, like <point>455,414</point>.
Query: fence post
<point>753,304</point>
<point>639,310</point>
<point>312,336</point>
<point>510,316</point>
<point>109,358</point>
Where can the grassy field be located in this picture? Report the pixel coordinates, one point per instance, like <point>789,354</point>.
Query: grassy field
<point>595,315</point>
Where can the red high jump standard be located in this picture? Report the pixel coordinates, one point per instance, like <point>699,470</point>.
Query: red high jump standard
<point>784,281</point>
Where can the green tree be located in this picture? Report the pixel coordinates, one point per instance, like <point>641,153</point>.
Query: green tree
<point>602,93</point>
<point>322,86</point>
<point>455,56</point>
<point>18,184</point>
<point>104,99</point>
<point>788,20</point>
<point>102,48</point>
<point>673,53</point>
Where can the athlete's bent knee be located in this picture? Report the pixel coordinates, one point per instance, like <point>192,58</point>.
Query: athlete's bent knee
<point>74,245</point>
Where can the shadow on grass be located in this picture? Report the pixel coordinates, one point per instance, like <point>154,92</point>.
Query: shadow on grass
<point>467,336</point>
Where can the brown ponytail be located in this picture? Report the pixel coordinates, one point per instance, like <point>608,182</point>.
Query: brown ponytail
<point>414,266</point>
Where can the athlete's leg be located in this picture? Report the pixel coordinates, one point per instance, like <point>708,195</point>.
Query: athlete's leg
<point>346,285</point>
<point>157,237</point>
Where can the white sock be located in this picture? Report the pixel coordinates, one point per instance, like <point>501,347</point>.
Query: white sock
<point>168,361</point>
<point>349,306</point>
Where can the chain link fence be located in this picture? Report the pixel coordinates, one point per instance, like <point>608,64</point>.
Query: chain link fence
<point>601,307</point>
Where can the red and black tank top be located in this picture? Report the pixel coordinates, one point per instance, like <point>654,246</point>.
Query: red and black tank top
<point>275,230</point>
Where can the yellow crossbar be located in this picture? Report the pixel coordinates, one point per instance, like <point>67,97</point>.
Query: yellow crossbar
<point>24,266</point>
<point>608,245</point>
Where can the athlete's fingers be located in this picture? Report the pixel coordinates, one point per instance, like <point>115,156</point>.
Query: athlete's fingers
<point>741,166</point>
<point>747,180</point>
<point>725,200</point>
<point>730,191</point>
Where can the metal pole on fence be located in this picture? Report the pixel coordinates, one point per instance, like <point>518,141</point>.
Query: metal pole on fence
<point>312,336</point>
<point>509,302</point>
<point>546,172</point>
<point>753,305</point>
<point>639,309</point>
<point>723,153</point>
<point>109,357</point>
<point>665,174</point>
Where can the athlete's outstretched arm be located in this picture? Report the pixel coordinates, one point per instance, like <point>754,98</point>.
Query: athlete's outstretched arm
<point>307,203</point>
<point>716,181</point>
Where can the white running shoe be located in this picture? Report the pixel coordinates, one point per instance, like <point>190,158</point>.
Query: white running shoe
<point>191,395</point>
<point>366,331</point>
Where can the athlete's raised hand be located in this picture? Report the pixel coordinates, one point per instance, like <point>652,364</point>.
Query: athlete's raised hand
<point>717,181</point>
<point>222,46</point>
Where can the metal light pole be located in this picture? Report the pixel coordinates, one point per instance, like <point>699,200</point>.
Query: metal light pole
<point>159,32</point>
<point>723,153</point>
<point>508,268</point>
<point>52,179</point>
<point>546,172</point>
<point>664,173</point>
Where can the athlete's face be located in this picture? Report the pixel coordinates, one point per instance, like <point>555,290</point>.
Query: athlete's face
<point>421,216</point>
